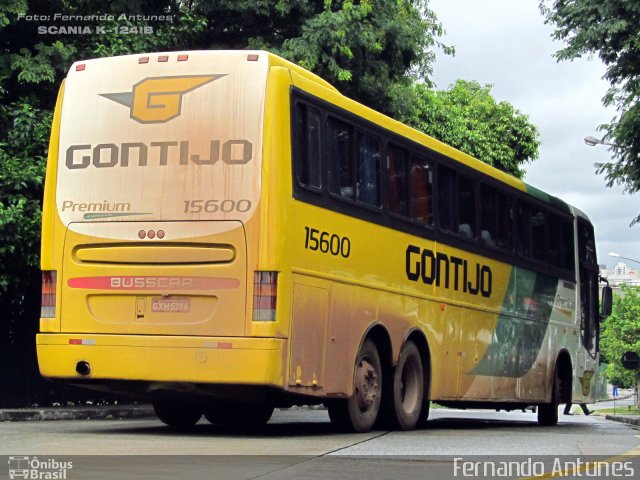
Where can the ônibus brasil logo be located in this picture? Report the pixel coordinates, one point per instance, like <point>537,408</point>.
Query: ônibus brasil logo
<point>38,469</point>
<point>159,99</point>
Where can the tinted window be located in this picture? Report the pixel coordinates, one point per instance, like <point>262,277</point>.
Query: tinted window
<point>309,170</point>
<point>561,250</point>
<point>420,191</point>
<point>397,166</point>
<point>505,210</point>
<point>523,245</point>
<point>466,207</point>
<point>447,210</point>
<point>538,234</point>
<point>488,216</point>
<point>340,135</point>
<point>368,184</point>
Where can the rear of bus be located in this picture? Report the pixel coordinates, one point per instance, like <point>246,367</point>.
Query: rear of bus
<point>151,223</point>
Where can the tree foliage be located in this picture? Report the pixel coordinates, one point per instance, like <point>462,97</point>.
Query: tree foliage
<point>621,333</point>
<point>372,50</point>
<point>609,29</point>
<point>467,117</point>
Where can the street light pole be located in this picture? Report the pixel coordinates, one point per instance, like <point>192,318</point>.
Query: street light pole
<point>593,141</point>
<point>617,255</point>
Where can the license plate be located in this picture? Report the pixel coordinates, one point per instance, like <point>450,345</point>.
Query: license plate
<point>171,304</point>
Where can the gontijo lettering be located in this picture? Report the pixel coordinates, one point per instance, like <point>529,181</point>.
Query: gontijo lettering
<point>178,152</point>
<point>448,271</point>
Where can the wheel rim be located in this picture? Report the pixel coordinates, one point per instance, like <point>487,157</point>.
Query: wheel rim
<point>367,385</point>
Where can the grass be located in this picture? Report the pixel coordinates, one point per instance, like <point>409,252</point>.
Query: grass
<point>621,410</point>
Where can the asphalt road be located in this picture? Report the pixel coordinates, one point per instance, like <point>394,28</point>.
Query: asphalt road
<point>302,444</point>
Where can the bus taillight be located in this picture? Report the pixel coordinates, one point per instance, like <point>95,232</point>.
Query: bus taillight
<point>265,287</point>
<point>48,304</point>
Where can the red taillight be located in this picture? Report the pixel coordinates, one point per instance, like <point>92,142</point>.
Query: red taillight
<point>265,291</point>
<point>48,303</point>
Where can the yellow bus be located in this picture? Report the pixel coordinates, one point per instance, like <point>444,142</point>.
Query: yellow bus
<point>225,233</point>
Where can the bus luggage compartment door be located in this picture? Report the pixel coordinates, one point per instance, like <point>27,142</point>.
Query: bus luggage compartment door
<point>154,278</point>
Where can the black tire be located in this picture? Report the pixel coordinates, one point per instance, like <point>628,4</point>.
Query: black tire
<point>408,388</point>
<point>177,414</point>
<point>548,412</point>
<point>243,414</point>
<point>359,412</point>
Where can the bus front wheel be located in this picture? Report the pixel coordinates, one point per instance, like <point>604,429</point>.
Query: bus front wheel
<point>360,411</point>
<point>548,412</point>
<point>408,387</point>
<point>239,414</point>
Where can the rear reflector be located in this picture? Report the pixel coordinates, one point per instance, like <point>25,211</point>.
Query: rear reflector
<point>265,289</point>
<point>48,302</point>
<point>82,341</point>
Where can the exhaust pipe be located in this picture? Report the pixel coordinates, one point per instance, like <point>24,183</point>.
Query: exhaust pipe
<point>83,368</point>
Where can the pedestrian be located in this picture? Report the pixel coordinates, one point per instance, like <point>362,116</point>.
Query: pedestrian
<point>583,406</point>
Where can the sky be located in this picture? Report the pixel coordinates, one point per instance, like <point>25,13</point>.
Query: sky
<point>506,43</point>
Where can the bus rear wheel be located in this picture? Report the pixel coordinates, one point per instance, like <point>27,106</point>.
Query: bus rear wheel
<point>360,411</point>
<point>408,388</point>
<point>177,414</point>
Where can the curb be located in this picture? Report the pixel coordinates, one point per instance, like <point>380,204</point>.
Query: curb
<point>629,420</point>
<point>106,412</point>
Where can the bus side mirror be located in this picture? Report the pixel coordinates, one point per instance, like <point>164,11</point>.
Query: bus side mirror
<point>606,302</point>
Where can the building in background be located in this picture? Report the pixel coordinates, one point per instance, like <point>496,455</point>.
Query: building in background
<point>621,274</point>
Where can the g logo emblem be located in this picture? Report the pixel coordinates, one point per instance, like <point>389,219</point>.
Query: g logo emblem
<point>159,99</point>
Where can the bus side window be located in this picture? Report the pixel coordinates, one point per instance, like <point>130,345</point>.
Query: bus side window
<point>588,276</point>
<point>368,183</point>
<point>466,207</point>
<point>308,136</point>
<point>538,234</point>
<point>523,239</point>
<point>340,157</point>
<point>447,212</point>
<point>568,250</point>
<point>488,216</point>
<point>397,171</point>
<point>505,221</point>
<point>420,191</point>
<point>560,243</point>
<point>555,241</point>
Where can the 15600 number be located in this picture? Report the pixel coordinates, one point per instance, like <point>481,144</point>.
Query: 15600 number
<point>212,206</point>
<point>326,242</point>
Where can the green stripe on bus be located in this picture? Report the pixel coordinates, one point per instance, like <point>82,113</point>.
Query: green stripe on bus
<point>518,337</point>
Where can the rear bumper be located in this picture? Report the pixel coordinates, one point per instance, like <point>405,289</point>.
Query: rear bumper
<point>215,360</point>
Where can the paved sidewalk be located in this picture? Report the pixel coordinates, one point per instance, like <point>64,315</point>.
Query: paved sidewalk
<point>85,412</point>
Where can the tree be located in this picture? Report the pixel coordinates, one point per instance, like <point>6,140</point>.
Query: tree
<point>611,30</point>
<point>372,51</point>
<point>621,333</point>
<point>468,118</point>
<point>367,50</point>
